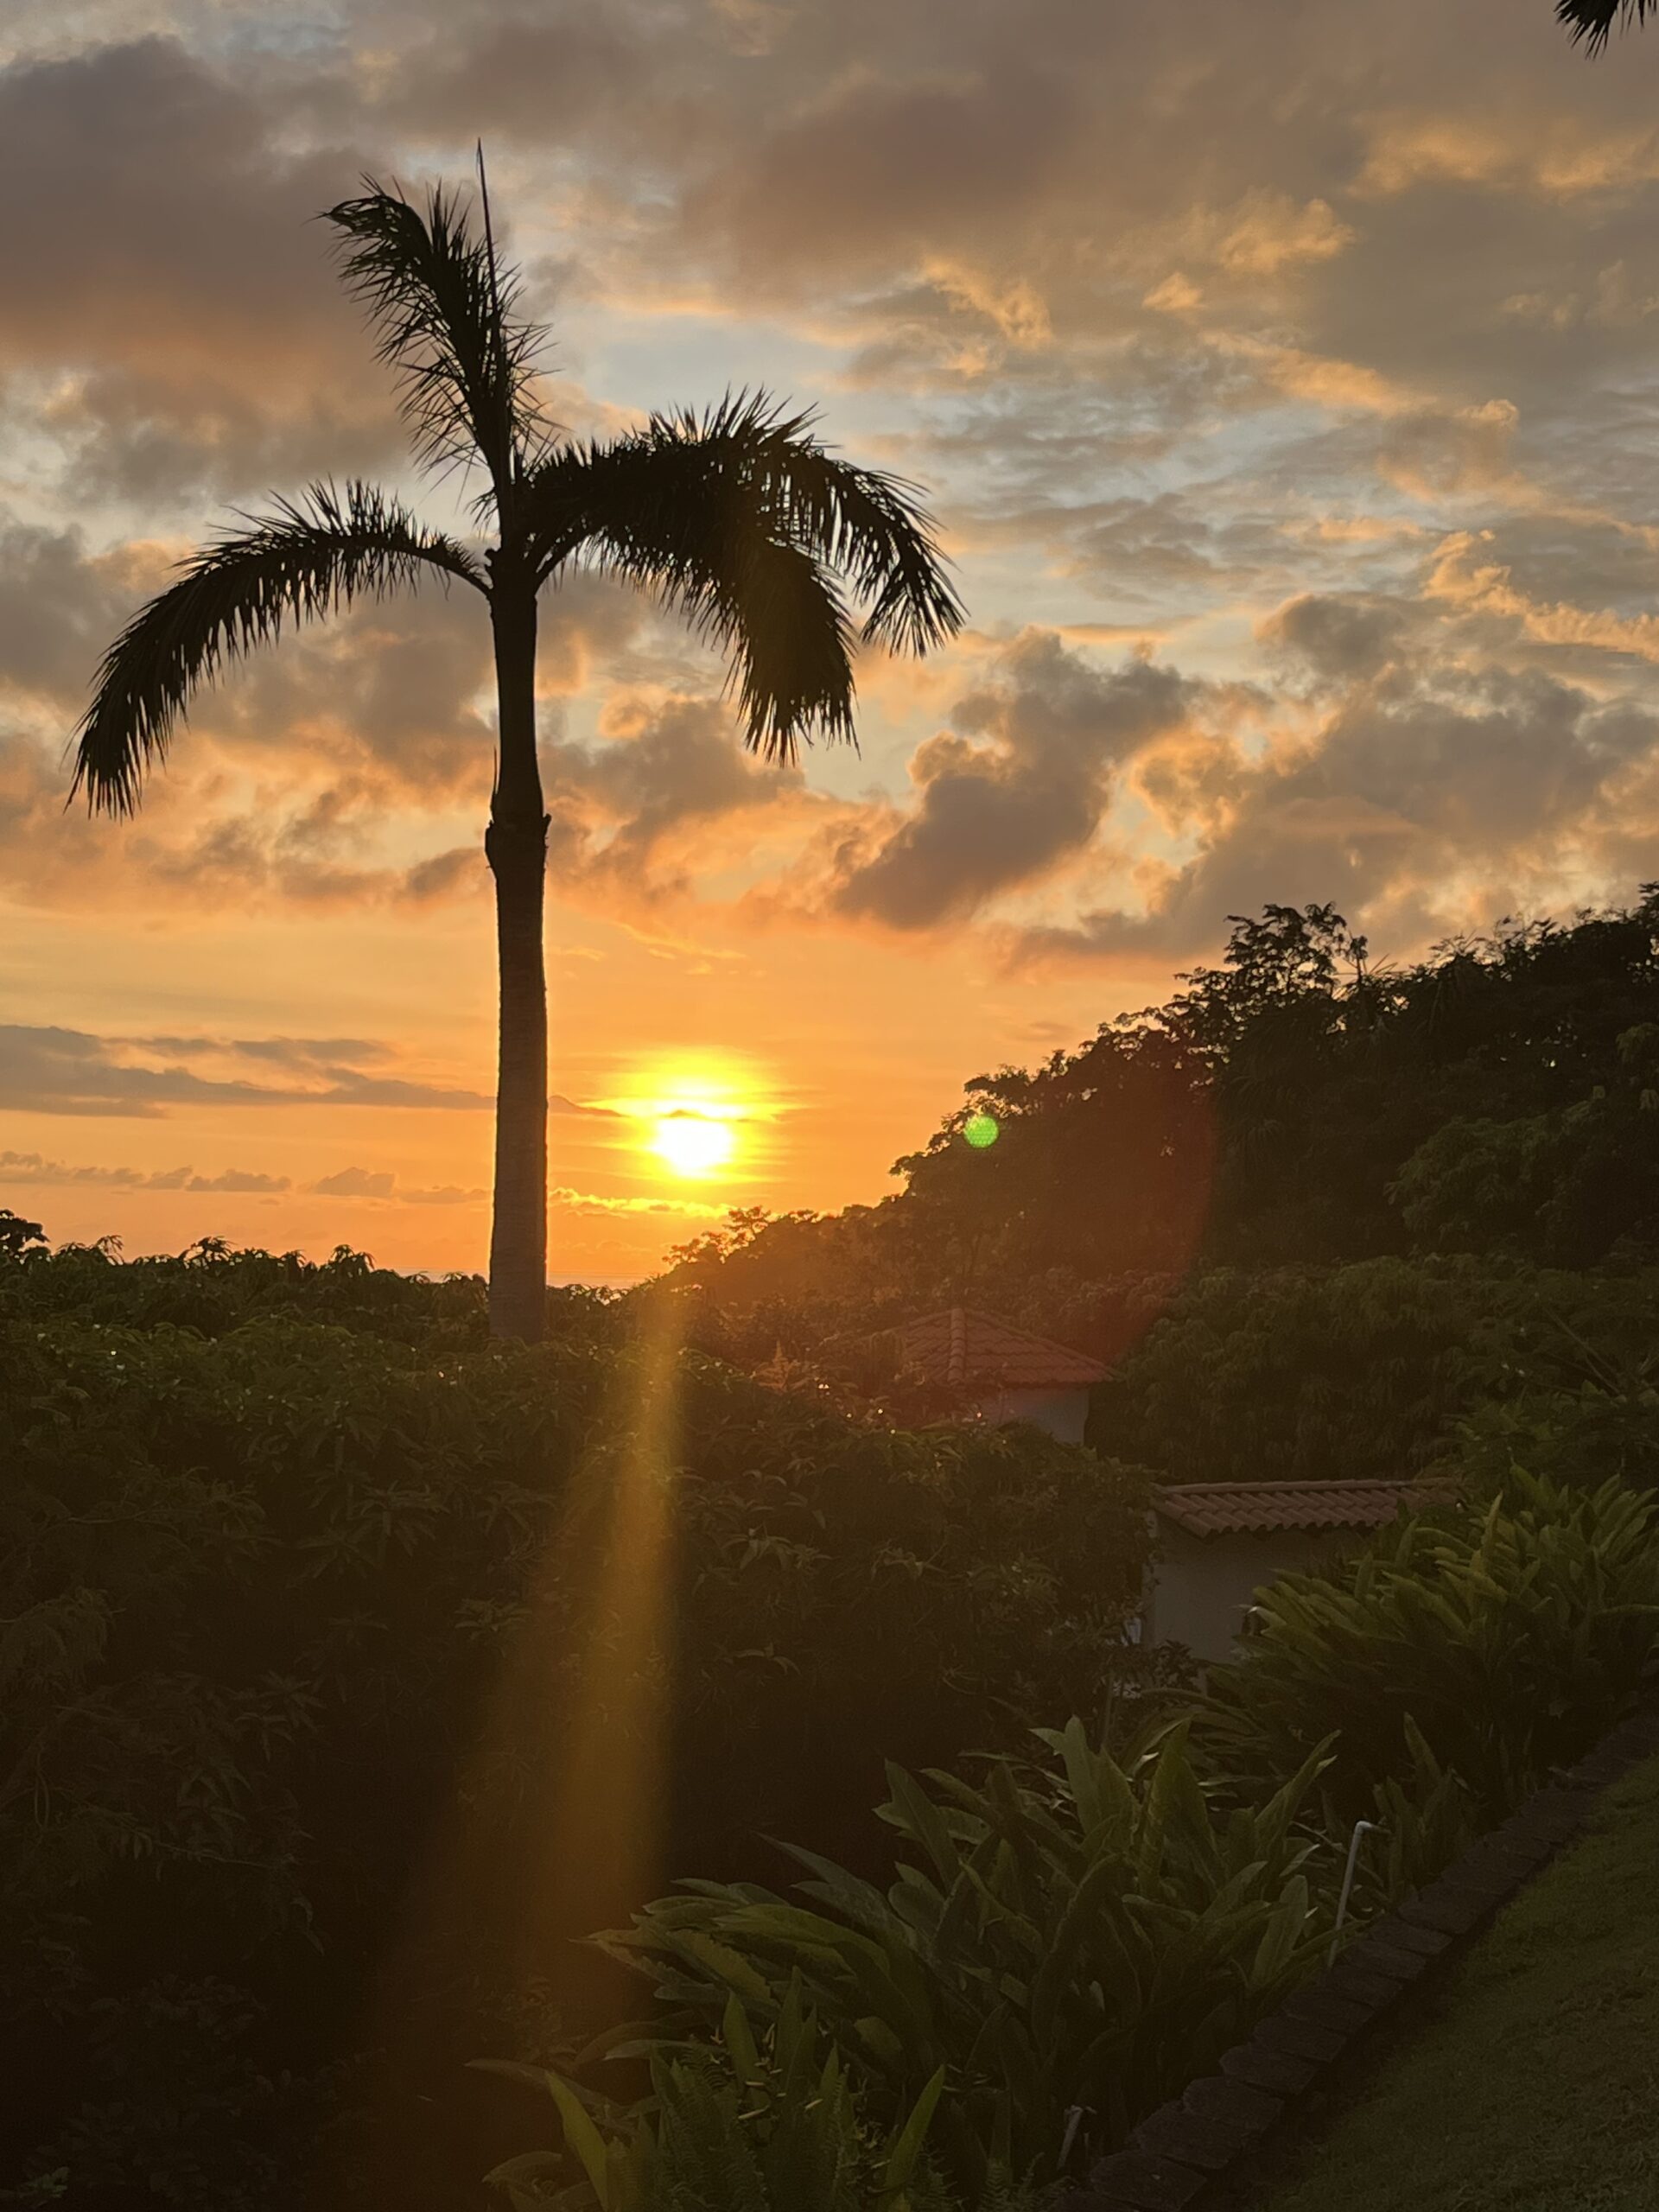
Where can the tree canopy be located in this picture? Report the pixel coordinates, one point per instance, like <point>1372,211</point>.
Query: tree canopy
<point>1295,1104</point>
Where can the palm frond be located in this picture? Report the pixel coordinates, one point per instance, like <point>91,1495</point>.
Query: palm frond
<point>445,311</point>
<point>633,510</point>
<point>1591,22</point>
<point>751,527</point>
<point>869,526</point>
<point>297,564</point>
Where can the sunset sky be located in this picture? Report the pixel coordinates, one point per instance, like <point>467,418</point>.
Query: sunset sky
<point>1285,379</point>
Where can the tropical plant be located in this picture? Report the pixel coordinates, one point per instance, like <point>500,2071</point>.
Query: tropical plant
<point>1495,1641</point>
<point>744,2123</point>
<point>1071,1942</point>
<point>1421,1821</point>
<point>738,518</point>
<point>1592,21</point>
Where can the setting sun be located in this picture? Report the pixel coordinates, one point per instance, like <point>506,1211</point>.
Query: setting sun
<point>693,1117</point>
<point>692,1144</point>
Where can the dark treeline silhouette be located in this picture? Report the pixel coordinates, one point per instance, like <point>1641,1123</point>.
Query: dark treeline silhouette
<point>1294,1106</point>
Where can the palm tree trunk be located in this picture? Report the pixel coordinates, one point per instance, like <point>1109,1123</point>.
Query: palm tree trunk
<point>516,846</point>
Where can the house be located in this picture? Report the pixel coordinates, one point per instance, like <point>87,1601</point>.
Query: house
<point>988,1369</point>
<point>1218,1543</point>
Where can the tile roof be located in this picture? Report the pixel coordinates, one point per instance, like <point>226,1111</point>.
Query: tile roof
<point>1231,1508</point>
<point>967,1350</point>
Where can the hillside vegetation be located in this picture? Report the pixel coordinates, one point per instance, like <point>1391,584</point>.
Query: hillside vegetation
<point>1312,1213</point>
<point>302,1583</point>
<point>355,1669</point>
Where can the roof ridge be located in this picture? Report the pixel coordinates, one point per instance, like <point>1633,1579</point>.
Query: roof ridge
<point>1322,1502</point>
<point>1307,1482</point>
<point>961,1315</point>
<point>962,1347</point>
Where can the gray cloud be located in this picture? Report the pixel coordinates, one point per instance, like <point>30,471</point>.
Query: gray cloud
<point>1338,637</point>
<point>1201,323</point>
<point>1426,788</point>
<point>172,275</point>
<point>307,1054</point>
<point>627,812</point>
<point>58,609</point>
<point>380,1186</point>
<point>70,1072</point>
<point>49,1069</point>
<point>356,1182</point>
<point>386,712</point>
<point>32,1168</point>
<point>1021,783</point>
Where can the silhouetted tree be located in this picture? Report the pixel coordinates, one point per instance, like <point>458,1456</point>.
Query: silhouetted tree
<point>1293,1105</point>
<point>738,518</point>
<point>17,1235</point>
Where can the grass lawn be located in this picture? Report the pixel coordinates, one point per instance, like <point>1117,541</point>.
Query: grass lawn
<point>1534,2085</point>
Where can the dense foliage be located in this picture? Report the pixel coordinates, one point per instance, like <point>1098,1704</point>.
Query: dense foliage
<point>1353,1198</point>
<point>1448,1667</point>
<point>1068,1941</point>
<point>1074,1936</point>
<point>291,1607</point>
<point>741,2122</point>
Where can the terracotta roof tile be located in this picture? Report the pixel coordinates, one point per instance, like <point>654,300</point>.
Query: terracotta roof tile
<point>966,1351</point>
<point>1227,1509</point>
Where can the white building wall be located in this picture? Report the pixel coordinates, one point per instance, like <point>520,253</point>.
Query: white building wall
<point>1062,1413</point>
<point>1200,1588</point>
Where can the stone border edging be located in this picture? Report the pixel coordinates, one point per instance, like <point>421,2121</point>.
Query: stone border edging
<point>1183,2156</point>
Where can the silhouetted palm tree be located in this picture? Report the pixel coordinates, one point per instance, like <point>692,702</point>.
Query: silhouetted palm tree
<point>1593,20</point>
<point>738,518</point>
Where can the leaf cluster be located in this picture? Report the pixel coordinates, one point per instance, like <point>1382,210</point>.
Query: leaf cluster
<point>1080,1934</point>
<point>749,2121</point>
<point>1496,1641</point>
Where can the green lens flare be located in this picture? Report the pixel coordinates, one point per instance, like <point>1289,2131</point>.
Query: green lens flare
<point>979,1130</point>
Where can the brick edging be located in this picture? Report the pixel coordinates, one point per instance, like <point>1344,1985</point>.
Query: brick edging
<point>1182,2156</point>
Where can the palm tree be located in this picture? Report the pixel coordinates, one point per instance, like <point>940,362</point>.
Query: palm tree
<point>1592,21</point>
<point>738,518</point>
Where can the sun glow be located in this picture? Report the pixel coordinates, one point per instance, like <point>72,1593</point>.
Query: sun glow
<point>695,1120</point>
<point>693,1144</point>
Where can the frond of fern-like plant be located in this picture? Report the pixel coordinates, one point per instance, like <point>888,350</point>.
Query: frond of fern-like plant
<point>301,562</point>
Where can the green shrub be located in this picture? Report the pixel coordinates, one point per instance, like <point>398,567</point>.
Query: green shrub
<point>1305,1374</point>
<point>262,1590</point>
<point>1497,1643</point>
<point>1073,1935</point>
<point>744,2123</point>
